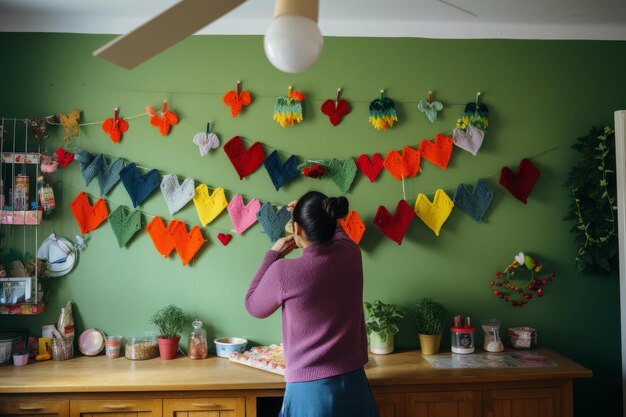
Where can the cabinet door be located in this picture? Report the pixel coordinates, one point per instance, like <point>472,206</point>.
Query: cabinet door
<point>24,407</point>
<point>205,407</point>
<point>523,402</point>
<point>390,405</point>
<point>116,408</point>
<point>443,404</point>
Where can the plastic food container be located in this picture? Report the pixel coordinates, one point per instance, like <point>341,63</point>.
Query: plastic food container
<point>62,348</point>
<point>522,337</point>
<point>140,347</point>
<point>224,346</point>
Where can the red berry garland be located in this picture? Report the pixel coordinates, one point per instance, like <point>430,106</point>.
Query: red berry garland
<point>519,294</point>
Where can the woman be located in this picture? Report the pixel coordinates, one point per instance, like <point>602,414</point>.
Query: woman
<point>321,295</point>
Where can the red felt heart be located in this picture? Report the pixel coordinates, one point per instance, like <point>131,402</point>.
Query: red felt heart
<point>439,152</point>
<point>522,183</point>
<point>224,238</point>
<point>64,157</point>
<point>405,165</point>
<point>187,244</point>
<point>236,101</point>
<point>160,236</point>
<point>244,161</point>
<point>335,112</point>
<point>394,227</point>
<point>164,122</point>
<point>114,129</point>
<point>370,167</point>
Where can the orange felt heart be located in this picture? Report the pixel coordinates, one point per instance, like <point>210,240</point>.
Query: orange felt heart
<point>237,101</point>
<point>187,244</point>
<point>160,236</point>
<point>165,122</point>
<point>115,130</point>
<point>87,216</point>
<point>439,152</point>
<point>405,165</point>
<point>353,226</point>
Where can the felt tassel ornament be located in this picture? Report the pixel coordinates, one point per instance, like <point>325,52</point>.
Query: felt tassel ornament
<point>281,173</point>
<point>125,224</point>
<point>394,226</point>
<point>237,100</point>
<point>520,184</point>
<point>187,244</point>
<point>163,121</point>
<point>115,126</point>
<point>476,114</point>
<point>288,110</point>
<point>245,161</point>
<point>243,215</point>
<point>434,214</point>
<point>430,108</point>
<point>382,112</point>
<point>273,222</point>
<point>335,109</point>
<point>209,206</point>
<point>87,216</point>
<point>206,140</point>
<point>313,171</point>
<point>70,123</point>
<point>474,203</point>
<point>353,226</point>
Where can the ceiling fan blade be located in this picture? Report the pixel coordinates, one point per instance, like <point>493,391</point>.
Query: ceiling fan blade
<point>170,27</point>
<point>459,8</point>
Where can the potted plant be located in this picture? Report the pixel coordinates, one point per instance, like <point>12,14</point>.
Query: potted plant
<point>382,325</point>
<point>171,321</point>
<point>431,319</point>
<point>20,355</point>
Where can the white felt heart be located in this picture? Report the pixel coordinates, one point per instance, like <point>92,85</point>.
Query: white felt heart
<point>471,141</point>
<point>206,142</point>
<point>520,258</point>
<point>177,195</point>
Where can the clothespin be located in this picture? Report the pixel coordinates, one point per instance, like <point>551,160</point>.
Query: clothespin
<point>208,128</point>
<point>430,97</point>
<point>477,98</point>
<point>337,98</point>
<point>164,107</point>
<point>382,95</point>
<point>238,87</point>
<point>115,115</point>
<point>289,92</point>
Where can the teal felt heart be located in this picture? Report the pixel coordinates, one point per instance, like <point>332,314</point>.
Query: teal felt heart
<point>430,109</point>
<point>342,172</point>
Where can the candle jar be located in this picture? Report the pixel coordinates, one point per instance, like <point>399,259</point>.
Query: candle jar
<point>198,348</point>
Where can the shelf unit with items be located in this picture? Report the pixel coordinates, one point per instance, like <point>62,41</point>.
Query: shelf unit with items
<point>20,182</point>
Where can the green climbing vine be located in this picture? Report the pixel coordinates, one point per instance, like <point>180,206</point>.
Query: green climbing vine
<point>593,208</point>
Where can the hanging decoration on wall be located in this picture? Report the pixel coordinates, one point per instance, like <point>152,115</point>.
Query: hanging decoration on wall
<point>439,152</point>
<point>177,195</point>
<point>335,109</point>
<point>139,187</point>
<point>371,168</point>
<point>115,126</point>
<point>224,238</point>
<point>342,172</point>
<point>394,226</point>
<point>70,123</point>
<point>281,173</point>
<point>430,108</point>
<point>64,157</point>
<point>515,290</point>
<point>163,121</point>
<point>160,235</point>
<point>273,222</point>
<point>87,216</point>
<point>187,244</point>
<point>245,161</point>
<point>289,109</point>
<point>382,112</point>
<point>403,166</point>
<point>109,174</point>
<point>475,114</point>
<point>474,203</point>
<point>206,140</point>
<point>520,184</point>
<point>38,126</point>
<point>315,171</point>
<point>469,140</point>
<point>209,206</point>
<point>237,100</point>
<point>125,223</point>
<point>353,226</point>
<point>434,214</point>
<point>243,215</point>
<point>48,164</point>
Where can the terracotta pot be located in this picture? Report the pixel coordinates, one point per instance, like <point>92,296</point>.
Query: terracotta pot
<point>20,360</point>
<point>168,347</point>
<point>429,344</point>
<point>380,346</point>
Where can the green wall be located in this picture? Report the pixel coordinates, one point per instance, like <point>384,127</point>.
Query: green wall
<point>541,95</point>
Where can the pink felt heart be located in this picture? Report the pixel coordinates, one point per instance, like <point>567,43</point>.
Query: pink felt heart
<point>370,167</point>
<point>224,238</point>
<point>335,112</point>
<point>470,141</point>
<point>243,216</point>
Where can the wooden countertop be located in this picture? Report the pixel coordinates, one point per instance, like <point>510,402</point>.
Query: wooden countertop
<point>99,374</point>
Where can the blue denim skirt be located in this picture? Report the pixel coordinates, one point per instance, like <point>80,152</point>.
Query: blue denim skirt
<point>338,396</point>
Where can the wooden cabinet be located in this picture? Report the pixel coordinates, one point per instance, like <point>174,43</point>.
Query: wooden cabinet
<point>205,407</point>
<point>390,405</point>
<point>116,408</point>
<point>34,407</point>
<point>443,404</point>
<point>523,402</point>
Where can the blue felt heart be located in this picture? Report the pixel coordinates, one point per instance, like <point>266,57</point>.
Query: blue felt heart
<point>109,174</point>
<point>139,187</point>
<point>90,165</point>
<point>281,174</point>
<point>273,222</point>
<point>475,203</point>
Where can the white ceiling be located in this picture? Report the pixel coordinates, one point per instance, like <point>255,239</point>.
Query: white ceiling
<point>517,19</point>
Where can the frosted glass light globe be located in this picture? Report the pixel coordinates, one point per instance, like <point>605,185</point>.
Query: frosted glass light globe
<point>293,43</point>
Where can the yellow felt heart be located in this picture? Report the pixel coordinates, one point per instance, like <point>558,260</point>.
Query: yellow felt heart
<point>434,214</point>
<point>209,206</point>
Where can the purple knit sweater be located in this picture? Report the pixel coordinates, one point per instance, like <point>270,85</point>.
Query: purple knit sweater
<point>321,294</point>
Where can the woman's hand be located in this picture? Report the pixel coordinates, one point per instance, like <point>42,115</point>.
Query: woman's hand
<point>284,245</point>
<point>292,205</point>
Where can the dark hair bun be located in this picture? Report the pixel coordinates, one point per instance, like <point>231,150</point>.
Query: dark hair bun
<point>335,207</point>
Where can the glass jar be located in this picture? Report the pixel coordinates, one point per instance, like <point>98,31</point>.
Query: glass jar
<point>492,340</point>
<point>140,347</point>
<point>198,348</point>
<point>522,337</point>
<point>62,348</point>
<point>462,339</point>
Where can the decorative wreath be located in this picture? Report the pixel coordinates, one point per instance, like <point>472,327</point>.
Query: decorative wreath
<point>516,291</point>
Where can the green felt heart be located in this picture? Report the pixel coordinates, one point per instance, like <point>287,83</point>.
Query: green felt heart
<point>430,109</point>
<point>342,173</point>
<point>528,261</point>
<point>125,223</point>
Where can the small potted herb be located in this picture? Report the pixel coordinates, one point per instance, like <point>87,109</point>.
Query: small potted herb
<point>20,354</point>
<point>431,320</point>
<point>171,321</point>
<point>382,325</point>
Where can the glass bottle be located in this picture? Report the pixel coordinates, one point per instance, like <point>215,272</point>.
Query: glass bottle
<point>197,341</point>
